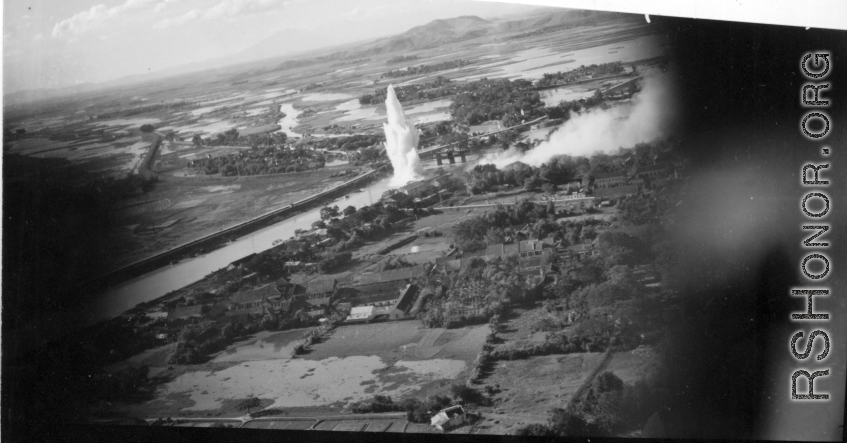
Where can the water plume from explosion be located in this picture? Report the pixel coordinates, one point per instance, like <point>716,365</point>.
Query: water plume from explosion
<point>651,115</point>
<point>401,142</point>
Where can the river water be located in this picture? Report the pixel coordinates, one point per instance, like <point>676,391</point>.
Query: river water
<point>126,295</point>
<point>152,285</point>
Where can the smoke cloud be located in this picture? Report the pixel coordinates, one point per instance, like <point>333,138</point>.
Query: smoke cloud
<point>649,116</point>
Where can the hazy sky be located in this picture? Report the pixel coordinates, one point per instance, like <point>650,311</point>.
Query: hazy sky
<point>48,43</point>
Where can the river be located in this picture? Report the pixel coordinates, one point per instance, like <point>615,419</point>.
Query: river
<point>152,285</point>
<point>124,296</point>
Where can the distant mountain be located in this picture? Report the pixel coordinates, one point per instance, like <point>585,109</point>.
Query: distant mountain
<point>432,34</point>
<point>290,43</point>
<point>287,42</point>
<point>441,32</point>
<point>536,22</point>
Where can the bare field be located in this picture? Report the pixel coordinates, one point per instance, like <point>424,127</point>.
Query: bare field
<point>403,340</point>
<point>530,388</point>
<point>389,340</point>
<point>353,364</point>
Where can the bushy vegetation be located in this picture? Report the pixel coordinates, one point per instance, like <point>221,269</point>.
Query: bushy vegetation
<point>417,411</point>
<point>502,100</point>
<point>198,342</point>
<point>345,143</point>
<point>616,407</point>
<point>426,69</point>
<point>580,73</point>
<point>558,171</point>
<point>333,262</point>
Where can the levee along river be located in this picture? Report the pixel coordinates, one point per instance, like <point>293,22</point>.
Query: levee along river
<point>152,285</point>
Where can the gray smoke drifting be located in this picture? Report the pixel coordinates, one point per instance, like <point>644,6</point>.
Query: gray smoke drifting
<point>649,116</point>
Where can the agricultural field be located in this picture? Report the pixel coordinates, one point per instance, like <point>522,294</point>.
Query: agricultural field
<point>354,363</point>
<point>530,388</point>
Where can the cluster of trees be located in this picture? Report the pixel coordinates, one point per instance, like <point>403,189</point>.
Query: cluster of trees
<point>563,423</point>
<point>334,261</point>
<point>270,160</point>
<point>560,78</point>
<point>507,100</point>
<point>438,88</point>
<point>481,290</point>
<point>558,171</point>
<point>196,343</point>
<point>401,59</point>
<point>346,143</point>
<point>493,227</point>
<point>609,407</point>
<point>350,228</point>
<point>426,69</point>
<point>315,335</point>
<point>123,113</point>
<point>561,170</point>
<point>417,411</point>
<point>616,407</point>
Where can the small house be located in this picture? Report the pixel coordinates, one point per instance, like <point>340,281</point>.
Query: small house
<point>448,418</point>
<point>360,313</point>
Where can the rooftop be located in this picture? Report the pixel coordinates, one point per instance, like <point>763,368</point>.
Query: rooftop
<point>256,294</point>
<point>405,302</point>
<point>317,286</point>
<point>614,174</point>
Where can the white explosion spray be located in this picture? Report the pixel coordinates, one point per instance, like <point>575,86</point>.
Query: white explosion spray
<point>401,142</point>
<point>650,115</point>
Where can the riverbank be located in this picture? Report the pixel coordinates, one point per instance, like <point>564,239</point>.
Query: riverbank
<point>210,242</point>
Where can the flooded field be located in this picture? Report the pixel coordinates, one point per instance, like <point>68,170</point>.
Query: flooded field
<point>355,363</point>
<point>302,383</point>
<point>532,63</point>
<point>326,96</point>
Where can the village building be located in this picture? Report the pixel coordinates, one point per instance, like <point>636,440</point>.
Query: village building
<point>403,306</point>
<point>523,248</point>
<point>394,304</point>
<point>448,418</point>
<point>319,292</point>
<point>610,179</point>
<point>414,189</point>
<point>267,298</point>
<point>360,314</point>
<point>583,249</point>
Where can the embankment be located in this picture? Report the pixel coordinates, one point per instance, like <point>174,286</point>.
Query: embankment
<point>214,240</point>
